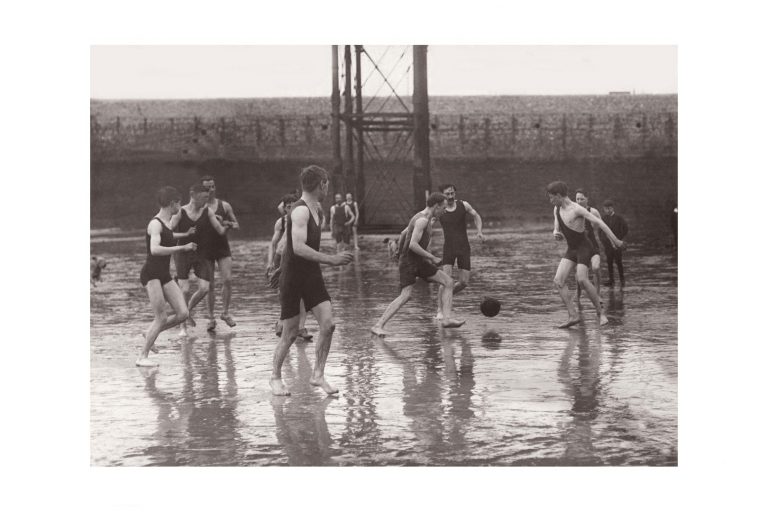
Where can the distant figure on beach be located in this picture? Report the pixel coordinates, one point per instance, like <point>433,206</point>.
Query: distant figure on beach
<point>352,204</point>
<point>583,200</point>
<point>219,252</point>
<point>97,265</point>
<point>302,279</point>
<point>155,275</point>
<point>274,260</point>
<point>342,217</point>
<point>569,224</point>
<point>456,243</point>
<point>416,261</point>
<point>193,219</point>
<point>619,227</point>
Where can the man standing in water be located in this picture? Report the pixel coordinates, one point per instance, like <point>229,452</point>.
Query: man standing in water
<point>302,279</point>
<point>619,226</point>
<point>218,252</point>
<point>155,275</point>
<point>569,224</point>
<point>194,217</point>
<point>456,243</point>
<point>352,204</point>
<point>416,261</point>
<point>583,201</point>
<point>341,219</point>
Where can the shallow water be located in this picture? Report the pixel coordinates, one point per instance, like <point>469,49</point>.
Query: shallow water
<point>509,390</point>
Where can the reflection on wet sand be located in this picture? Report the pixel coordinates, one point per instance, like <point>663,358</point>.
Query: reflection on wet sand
<point>300,423</point>
<point>507,390</point>
<point>583,389</point>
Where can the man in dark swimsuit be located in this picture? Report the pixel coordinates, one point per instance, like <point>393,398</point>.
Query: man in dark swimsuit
<point>341,220</point>
<point>456,243</point>
<point>583,200</point>
<point>416,261</point>
<point>350,201</point>
<point>155,275</point>
<point>302,279</point>
<point>569,224</point>
<point>219,252</point>
<point>195,218</point>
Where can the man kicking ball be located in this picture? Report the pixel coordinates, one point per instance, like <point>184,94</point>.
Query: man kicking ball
<point>416,261</point>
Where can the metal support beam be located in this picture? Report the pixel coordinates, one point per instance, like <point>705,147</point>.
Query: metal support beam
<point>422,180</point>
<point>359,174</point>
<point>337,171</point>
<point>349,155</point>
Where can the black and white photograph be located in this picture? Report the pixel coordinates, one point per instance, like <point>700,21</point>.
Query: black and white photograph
<point>384,255</point>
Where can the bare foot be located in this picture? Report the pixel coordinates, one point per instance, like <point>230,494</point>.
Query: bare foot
<point>145,362</point>
<point>439,315</point>
<point>228,320</point>
<point>323,384</point>
<point>452,322</point>
<point>378,331</point>
<point>278,388</point>
<point>570,323</point>
<point>603,319</point>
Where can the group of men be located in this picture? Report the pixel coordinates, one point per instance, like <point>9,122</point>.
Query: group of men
<point>196,235</point>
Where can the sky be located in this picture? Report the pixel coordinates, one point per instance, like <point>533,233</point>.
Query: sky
<point>160,72</point>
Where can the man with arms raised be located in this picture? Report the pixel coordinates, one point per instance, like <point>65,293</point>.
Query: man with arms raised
<point>301,279</point>
<point>569,224</point>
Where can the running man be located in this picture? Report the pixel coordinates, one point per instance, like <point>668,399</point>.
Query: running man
<point>583,200</point>
<point>569,224</point>
<point>302,279</point>
<point>155,275</point>
<point>356,212</point>
<point>274,259</point>
<point>218,251</point>
<point>456,243</point>
<point>194,218</point>
<point>416,261</point>
<point>618,225</point>
<point>341,219</point>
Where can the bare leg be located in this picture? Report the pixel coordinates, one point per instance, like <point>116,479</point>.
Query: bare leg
<point>394,306</point>
<point>202,290</point>
<point>354,233</point>
<point>157,296</point>
<point>184,286</point>
<point>447,298</point>
<point>212,297</point>
<point>324,315</point>
<point>582,276</point>
<point>561,275</point>
<point>448,269</point>
<point>290,326</point>
<point>225,267</point>
<point>463,281</point>
<point>596,272</point>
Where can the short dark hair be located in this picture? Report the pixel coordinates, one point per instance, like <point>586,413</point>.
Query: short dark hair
<point>434,198</point>
<point>446,186</point>
<point>167,195</point>
<point>207,177</point>
<point>311,177</point>
<point>197,188</point>
<point>581,191</point>
<point>607,203</point>
<point>289,199</point>
<point>558,188</point>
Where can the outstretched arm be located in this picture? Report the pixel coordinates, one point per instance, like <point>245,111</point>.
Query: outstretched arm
<point>155,249</point>
<point>596,221</point>
<point>478,220</point>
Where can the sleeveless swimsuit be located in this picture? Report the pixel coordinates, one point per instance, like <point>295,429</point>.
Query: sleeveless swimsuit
<point>158,267</point>
<point>580,250</point>
<point>185,261</point>
<point>301,278</point>
<point>456,244</point>
<point>413,265</point>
